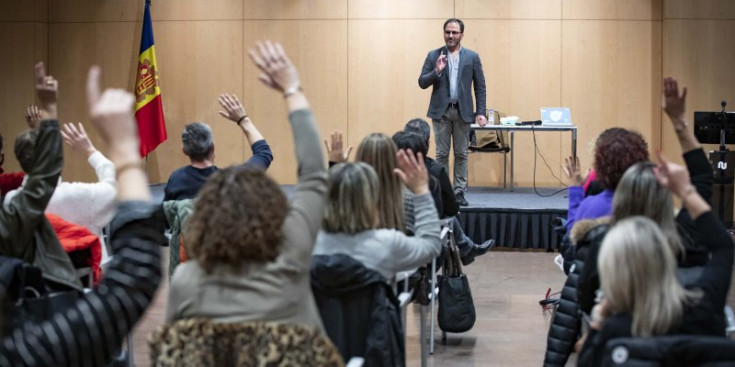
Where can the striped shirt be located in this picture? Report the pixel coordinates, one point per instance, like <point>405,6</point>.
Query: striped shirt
<point>91,332</point>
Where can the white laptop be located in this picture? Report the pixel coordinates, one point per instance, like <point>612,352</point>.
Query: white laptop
<point>556,116</point>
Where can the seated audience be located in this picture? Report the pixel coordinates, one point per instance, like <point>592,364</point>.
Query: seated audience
<point>641,294</point>
<point>25,233</point>
<point>92,330</point>
<point>198,145</point>
<point>638,193</point>
<point>352,225</point>
<point>250,249</point>
<point>90,205</point>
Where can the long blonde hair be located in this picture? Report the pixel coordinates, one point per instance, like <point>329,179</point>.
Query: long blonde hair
<point>351,199</point>
<point>638,275</point>
<point>639,193</point>
<point>379,151</point>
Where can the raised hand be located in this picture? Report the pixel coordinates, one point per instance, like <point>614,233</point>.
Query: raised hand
<point>674,104</point>
<point>277,70</point>
<point>572,171</point>
<point>33,116</point>
<point>412,171</point>
<point>335,150</point>
<point>441,63</point>
<point>47,89</point>
<point>77,139</point>
<point>672,176</point>
<point>234,110</point>
<point>111,111</point>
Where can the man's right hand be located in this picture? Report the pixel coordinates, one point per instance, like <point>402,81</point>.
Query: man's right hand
<point>441,63</point>
<point>234,110</point>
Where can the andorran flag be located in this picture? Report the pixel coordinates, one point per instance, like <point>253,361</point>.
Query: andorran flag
<point>148,106</point>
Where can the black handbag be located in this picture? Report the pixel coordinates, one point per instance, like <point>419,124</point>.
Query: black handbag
<point>28,299</point>
<point>456,308</point>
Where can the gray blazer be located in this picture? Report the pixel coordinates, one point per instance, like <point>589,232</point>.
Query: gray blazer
<point>470,70</point>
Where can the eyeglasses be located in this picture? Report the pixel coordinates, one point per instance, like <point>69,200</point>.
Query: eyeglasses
<point>452,33</point>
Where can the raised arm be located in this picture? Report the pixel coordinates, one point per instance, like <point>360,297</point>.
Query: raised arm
<point>21,215</point>
<point>716,277</point>
<point>432,69</point>
<point>307,202</point>
<point>235,112</point>
<point>409,252</point>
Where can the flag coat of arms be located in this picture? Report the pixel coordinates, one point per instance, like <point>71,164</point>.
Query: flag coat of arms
<point>148,106</point>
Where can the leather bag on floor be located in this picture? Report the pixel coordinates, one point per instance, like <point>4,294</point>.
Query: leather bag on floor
<point>456,308</point>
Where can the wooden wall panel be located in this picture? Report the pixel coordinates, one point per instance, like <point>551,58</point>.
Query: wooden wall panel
<point>73,48</point>
<point>508,9</point>
<point>294,9</point>
<point>23,11</point>
<point>700,9</point>
<point>406,9</point>
<point>522,63</point>
<point>17,73</point>
<point>383,85</point>
<point>612,9</point>
<point>694,54</point>
<point>612,77</point>
<point>319,51</point>
<point>198,61</point>
<point>95,11</point>
<point>196,9</point>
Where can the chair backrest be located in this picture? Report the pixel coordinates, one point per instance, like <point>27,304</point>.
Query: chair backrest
<point>201,342</point>
<point>672,350</point>
<point>359,310</point>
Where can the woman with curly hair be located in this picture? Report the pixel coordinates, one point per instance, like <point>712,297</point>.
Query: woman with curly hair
<point>251,249</point>
<point>616,150</point>
<point>379,151</point>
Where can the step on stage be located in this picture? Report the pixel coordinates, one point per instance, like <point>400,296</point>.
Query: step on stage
<point>515,219</point>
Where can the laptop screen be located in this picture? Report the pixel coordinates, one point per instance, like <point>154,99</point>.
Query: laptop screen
<point>556,116</point>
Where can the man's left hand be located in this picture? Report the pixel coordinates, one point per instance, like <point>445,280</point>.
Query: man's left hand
<point>481,120</point>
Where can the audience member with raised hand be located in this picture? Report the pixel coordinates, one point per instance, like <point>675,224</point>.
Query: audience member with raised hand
<point>380,152</point>
<point>92,330</point>
<point>638,276</point>
<point>251,249</point>
<point>90,205</point>
<point>198,145</point>
<point>335,149</point>
<point>25,233</point>
<point>352,222</point>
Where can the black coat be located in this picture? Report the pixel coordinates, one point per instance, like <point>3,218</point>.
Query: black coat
<point>359,311</point>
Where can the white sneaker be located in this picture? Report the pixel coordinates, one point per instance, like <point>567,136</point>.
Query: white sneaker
<point>559,261</point>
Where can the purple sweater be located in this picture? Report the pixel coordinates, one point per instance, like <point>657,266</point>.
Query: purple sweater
<point>591,207</point>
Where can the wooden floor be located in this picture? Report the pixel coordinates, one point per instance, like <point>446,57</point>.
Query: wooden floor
<point>510,330</point>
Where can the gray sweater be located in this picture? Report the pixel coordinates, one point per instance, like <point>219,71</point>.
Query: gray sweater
<point>275,291</point>
<point>389,251</point>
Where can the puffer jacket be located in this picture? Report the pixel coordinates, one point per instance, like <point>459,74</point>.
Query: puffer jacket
<point>565,326</point>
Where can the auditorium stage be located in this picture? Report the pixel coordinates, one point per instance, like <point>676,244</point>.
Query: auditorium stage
<point>518,219</point>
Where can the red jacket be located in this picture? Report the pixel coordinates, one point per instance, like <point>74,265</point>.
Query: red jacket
<point>10,181</point>
<point>74,237</point>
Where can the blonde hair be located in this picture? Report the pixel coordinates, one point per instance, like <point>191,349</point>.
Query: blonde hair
<point>351,199</point>
<point>638,275</point>
<point>639,193</point>
<point>379,151</point>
